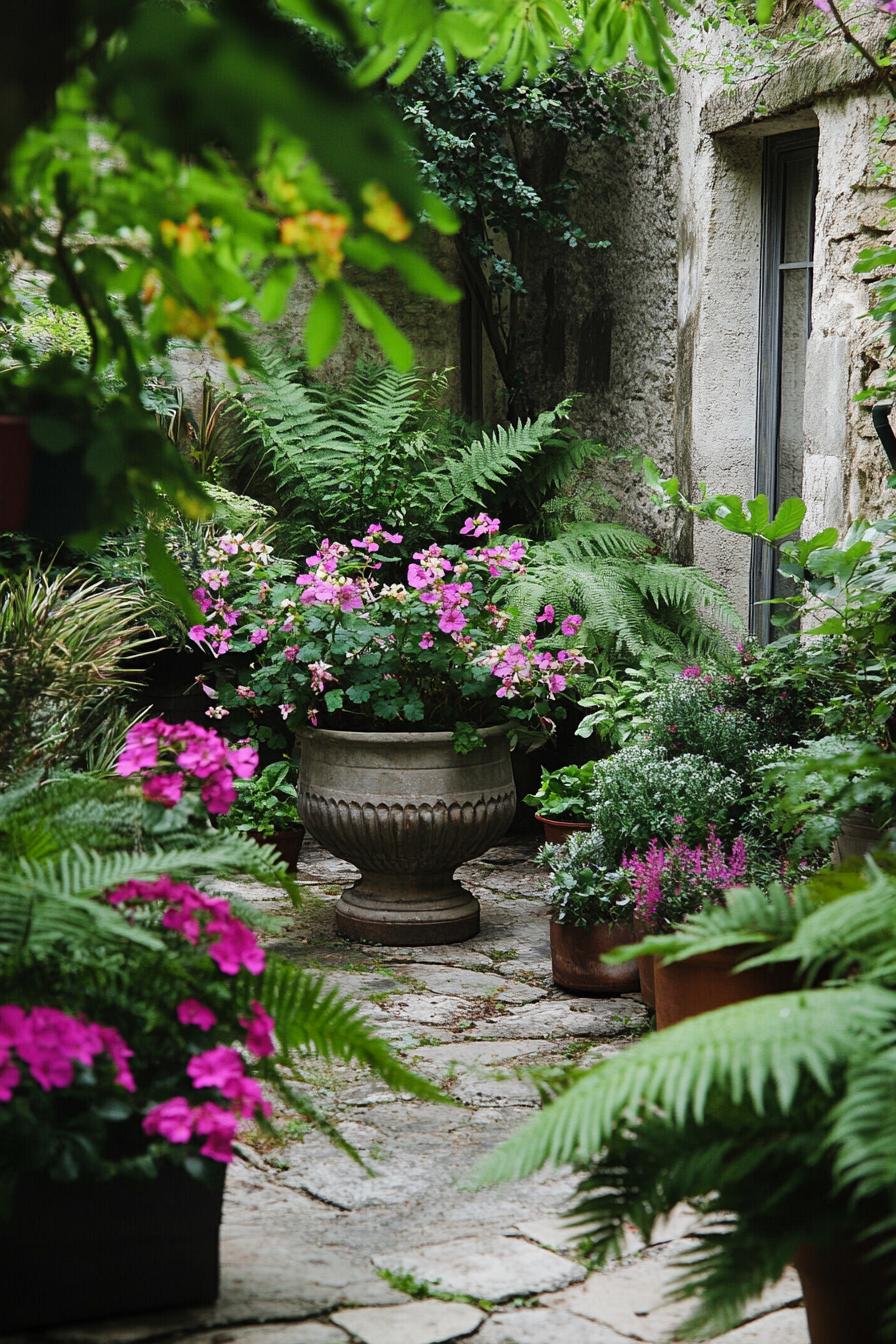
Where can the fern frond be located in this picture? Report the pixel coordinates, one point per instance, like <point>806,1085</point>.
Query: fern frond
<point>313,1017</point>
<point>475,470</point>
<point>759,1050</point>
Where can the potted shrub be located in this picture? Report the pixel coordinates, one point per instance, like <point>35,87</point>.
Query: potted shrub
<point>774,1118</point>
<point>141,1024</point>
<point>591,913</point>
<point>405,696</point>
<point>266,810</point>
<point>642,795</point>
<point>670,882</point>
<point>561,801</point>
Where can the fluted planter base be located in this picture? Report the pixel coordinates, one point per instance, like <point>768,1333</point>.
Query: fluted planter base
<point>406,810</point>
<point>407,912</point>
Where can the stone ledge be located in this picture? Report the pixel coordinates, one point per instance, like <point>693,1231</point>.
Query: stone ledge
<point>754,103</point>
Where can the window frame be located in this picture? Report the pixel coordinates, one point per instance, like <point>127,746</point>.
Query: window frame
<point>779,152</point>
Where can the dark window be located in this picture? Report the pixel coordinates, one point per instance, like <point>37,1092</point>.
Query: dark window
<point>789,186</point>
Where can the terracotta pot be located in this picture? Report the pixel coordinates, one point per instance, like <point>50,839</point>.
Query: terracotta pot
<point>843,1293</point>
<point>81,1250</point>
<point>15,472</point>
<point>288,844</point>
<point>576,959</point>
<point>557,831</point>
<point>703,983</point>
<point>858,835</point>
<point>406,809</point>
<point>645,966</point>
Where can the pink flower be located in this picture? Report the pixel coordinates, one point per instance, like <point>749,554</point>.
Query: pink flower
<point>286,710</point>
<point>235,946</point>
<point>141,748</point>
<point>119,1052</point>
<point>220,1067</point>
<point>247,1097</point>
<point>245,692</point>
<point>452,619</point>
<point>692,672</point>
<point>259,636</point>
<point>258,1030</point>
<point>9,1075</point>
<point>570,625</point>
<point>547,615</point>
<point>165,789</point>
<point>192,1013</point>
<point>289,653</point>
<point>243,760</point>
<point>480,526</point>
<point>171,1120</point>
<point>320,675</point>
<point>219,1128</point>
<point>218,793</point>
<point>426,640</point>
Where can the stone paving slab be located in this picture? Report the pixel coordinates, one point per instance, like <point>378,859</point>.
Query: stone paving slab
<point>310,1332</point>
<point>469,984</point>
<point>554,1020</point>
<point>781,1327</point>
<point>490,1268</point>
<point>542,1325</point>
<point>631,1297</point>
<point>429,1322</point>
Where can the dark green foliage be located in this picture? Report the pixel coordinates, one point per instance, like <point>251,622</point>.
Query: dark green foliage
<point>584,891</point>
<point>686,716</point>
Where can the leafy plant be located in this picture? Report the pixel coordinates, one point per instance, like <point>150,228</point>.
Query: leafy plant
<point>673,880</point>
<point>564,792</point>
<point>499,156</point>
<point>772,1116</point>
<point>634,602</point>
<point>583,890</point>
<point>641,794</point>
<point>266,803</point>
<point>68,645</point>
<point>689,715</point>
<point>352,647</point>
<point>383,447</point>
<point>621,706</point>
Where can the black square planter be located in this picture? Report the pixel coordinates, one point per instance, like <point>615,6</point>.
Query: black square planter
<point>87,1249</point>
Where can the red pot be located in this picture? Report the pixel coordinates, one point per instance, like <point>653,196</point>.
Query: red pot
<point>576,959</point>
<point>287,844</point>
<point>15,472</point>
<point>557,831</point>
<point>843,1293</point>
<point>645,966</point>
<point>703,983</point>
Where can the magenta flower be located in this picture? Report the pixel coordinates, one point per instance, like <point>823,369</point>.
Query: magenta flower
<point>236,946</point>
<point>219,1128</point>
<point>171,1120</point>
<point>545,616</point>
<point>426,640</point>
<point>480,526</point>
<point>218,793</point>
<point>192,1013</point>
<point>259,635</point>
<point>220,1067</point>
<point>452,619</point>
<point>165,789</point>
<point>243,760</point>
<point>258,1030</point>
<point>570,625</point>
<point>10,1076</point>
<point>692,672</point>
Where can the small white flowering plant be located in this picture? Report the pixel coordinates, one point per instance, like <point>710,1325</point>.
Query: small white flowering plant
<point>361,638</point>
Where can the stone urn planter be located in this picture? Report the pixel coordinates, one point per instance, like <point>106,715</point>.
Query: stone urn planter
<point>406,809</point>
<point>576,959</point>
<point>859,835</point>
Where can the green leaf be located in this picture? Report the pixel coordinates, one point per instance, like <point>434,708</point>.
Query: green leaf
<point>323,325</point>
<point>764,11</point>
<point>52,433</point>
<point>275,291</point>
<point>334,700</point>
<point>393,343</point>
<point>788,518</point>
<point>167,575</point>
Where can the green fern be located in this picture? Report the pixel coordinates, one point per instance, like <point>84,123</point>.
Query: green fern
<point>632,601</point>
<point>757,1052</point>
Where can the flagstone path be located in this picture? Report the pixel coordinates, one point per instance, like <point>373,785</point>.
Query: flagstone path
<point>314,1251</point>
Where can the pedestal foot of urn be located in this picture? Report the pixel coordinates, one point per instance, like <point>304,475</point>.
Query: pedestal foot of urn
<point>402,911</point>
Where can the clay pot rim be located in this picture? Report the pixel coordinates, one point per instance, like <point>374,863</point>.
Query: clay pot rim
<point>401,739</point>
<point>561,821</point>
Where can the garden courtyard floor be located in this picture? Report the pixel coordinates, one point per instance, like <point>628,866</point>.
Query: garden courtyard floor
<point>307,1234</point>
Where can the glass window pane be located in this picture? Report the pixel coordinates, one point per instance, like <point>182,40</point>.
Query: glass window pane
<point>799,197</point>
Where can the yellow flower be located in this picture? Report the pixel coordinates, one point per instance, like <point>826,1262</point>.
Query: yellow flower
<point>152,287</point>
<point>188,237</point>
<point>317,234</point>
<point>385,215</point>
<point>187,322</point>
